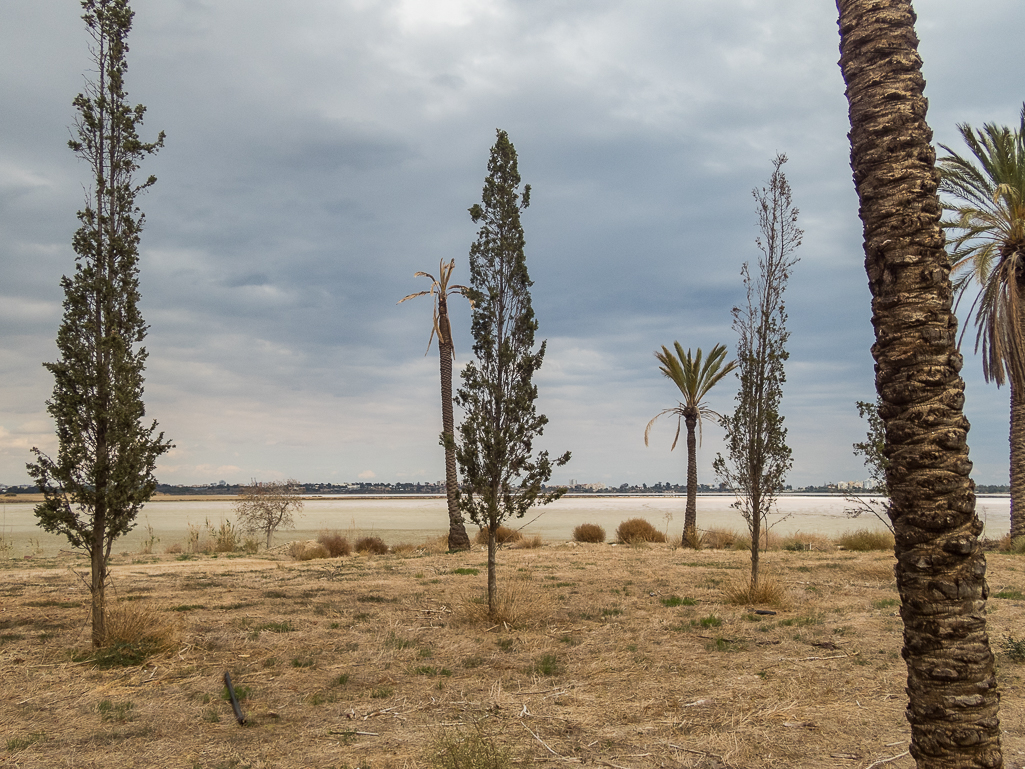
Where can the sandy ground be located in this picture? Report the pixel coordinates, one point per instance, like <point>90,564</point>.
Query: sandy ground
<point>623,657</point>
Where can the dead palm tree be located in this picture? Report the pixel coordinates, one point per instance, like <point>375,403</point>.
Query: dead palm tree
<point>694,380</point>
<point>988,248</point>
<point>441,290</point>
<point>953,704</point>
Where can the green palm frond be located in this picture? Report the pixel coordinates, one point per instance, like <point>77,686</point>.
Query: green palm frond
<point>694,378</point>
<point>985,203</point>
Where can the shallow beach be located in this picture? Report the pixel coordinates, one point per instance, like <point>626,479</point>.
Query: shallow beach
<point>413,519</point>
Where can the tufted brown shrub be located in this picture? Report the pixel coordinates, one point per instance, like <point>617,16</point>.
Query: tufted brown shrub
<point>588,532</point>
<point>638,530</point>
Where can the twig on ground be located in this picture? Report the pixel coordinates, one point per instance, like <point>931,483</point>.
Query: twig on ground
<point>700,753</point>
<point>882,761</point>
<point>547,747</point>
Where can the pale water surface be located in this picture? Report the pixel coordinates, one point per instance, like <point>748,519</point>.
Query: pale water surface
<point>413,519</point>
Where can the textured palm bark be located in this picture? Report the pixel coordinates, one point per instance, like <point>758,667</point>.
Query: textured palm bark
<point>690,521</point>
<point>952,694</point>
<point>457,538</point>
<point>1017,439</point>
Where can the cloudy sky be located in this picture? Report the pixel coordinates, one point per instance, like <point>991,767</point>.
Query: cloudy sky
<point>319,152</point>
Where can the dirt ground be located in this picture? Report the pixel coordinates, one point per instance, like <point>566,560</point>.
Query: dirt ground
<point>626,657</point>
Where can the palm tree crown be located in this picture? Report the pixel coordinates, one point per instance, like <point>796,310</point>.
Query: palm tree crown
<point>987,233</point>
<point>694,381</point>
<point>986,195</point>
<point>440,290</point>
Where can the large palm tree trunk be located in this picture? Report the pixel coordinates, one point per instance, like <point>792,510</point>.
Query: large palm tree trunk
<point>457,538</point>
<point>953,700</point>
<point>1017,474</point>
<point>690,521</point>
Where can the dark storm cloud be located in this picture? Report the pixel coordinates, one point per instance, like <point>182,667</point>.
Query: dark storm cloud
<point>320,153</point>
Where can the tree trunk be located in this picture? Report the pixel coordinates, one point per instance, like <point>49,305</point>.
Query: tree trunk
<point>690,521</point>
<point>457,538</point>
<point>953,699</point>
<point>756,527</point>
<point>492,578</point>
<point>1017,473</point>
<point>98,566</point>
<point>1017,430</point>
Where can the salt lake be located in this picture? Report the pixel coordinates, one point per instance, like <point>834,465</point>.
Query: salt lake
<point>412,519</point>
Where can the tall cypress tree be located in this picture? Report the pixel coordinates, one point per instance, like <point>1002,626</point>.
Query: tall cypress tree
<point>103,472</point>
<point>500,478</point>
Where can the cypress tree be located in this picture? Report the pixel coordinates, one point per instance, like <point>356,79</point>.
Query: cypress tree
<point>501,479</point>
<point>103,471</point>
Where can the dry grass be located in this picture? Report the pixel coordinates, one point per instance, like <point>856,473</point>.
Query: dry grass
<point>589,532</point>
<point>306,550</point>
<point>520,605</point>
<point>503,536</point>
<point>769,592</point>
<point>371,546</point>
<point>335,544</point>
<point>865,540</point>
<point>638,661</point>
<point>799,541</point>
<point>638,530</point>
<point>527,543</point>
<point>720,539</point>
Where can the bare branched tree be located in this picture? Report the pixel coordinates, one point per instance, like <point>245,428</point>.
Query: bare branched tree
<point>268,506</point>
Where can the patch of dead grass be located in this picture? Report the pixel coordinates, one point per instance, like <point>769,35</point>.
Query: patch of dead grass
<point>328,649</point>
<point>520,604</point>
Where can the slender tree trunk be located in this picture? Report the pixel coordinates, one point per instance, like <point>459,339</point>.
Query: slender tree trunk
<point>492,577</point>
<point>1017,430</point>
<point>690,521</point>
<point>952,693</point>
<point>457,538</point>
<point>756,528</point>
<point>98,565</point>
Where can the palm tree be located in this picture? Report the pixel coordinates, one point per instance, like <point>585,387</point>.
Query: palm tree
<point>953,704</point>
<point>441,290</point>
<point>988,245</point>
<point>694,381</point>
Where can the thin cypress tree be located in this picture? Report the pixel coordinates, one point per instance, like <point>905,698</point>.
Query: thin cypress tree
<point>103,472</point>
<point>500,478</point>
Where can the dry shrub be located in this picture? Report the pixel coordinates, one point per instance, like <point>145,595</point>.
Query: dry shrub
<point>770,592</point>
<point>520,605</point>
<point>720,539</point>
<point>468,750</point>
<point>1015,546</point>
<point>527,543</point>
<point>335,544</point>
<point>816,542</point>
<point>503,536</point>
<point>588,532</point>
<point>134,633</point>
<point>693,540</point>
<point>638,530</point>
<point>173,549</point>
<point>306,550</point>
<point>863,540</point>
<point>435,545</point>
<point>225,539</point>
<point>405,548</point>
<point>371,546</point>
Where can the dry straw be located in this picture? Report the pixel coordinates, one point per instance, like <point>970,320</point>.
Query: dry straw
<point>520,605</point>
